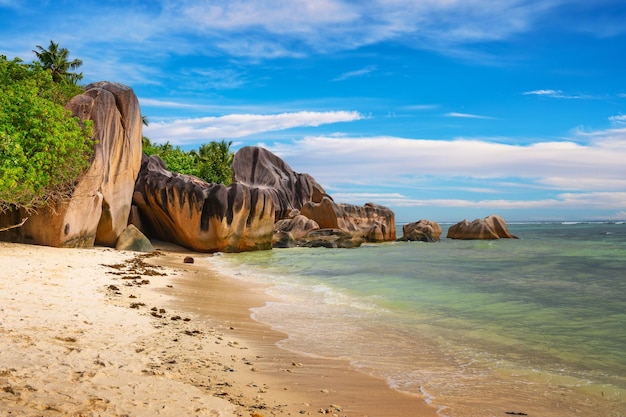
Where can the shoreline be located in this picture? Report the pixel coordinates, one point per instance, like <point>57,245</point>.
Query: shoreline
<point>72,344</point>
<point>296,384</point>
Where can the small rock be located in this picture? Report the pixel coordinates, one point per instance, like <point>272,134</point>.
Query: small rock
<point>336,407</point>
<point>188,260</point>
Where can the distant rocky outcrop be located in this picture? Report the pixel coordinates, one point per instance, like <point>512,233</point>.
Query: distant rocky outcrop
<point>201,216</point>
<point>491,227</point>
<point>97,211</point>
<point>421,231</point>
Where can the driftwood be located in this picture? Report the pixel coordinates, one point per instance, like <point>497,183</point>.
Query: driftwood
<point>4,229</point>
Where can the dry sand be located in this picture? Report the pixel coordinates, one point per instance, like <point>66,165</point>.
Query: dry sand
<point>97,332</point>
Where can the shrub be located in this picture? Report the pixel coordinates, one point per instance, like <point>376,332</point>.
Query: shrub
<point>43,149</point>
<point>211,163</point>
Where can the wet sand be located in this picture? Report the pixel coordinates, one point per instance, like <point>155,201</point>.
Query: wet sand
<point>97,332</point>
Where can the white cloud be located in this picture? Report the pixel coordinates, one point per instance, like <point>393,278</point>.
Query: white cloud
<point>322,25</point>
<point>548,93</point>
<point>356,73</point>
<point>260,29</point>
<point>605,201</point>
<point>467,116</point>
<point>560,94</point>
<point>240,125</point>
<point>619,119</point>
<point>598,166</point>
<point>275,16</point>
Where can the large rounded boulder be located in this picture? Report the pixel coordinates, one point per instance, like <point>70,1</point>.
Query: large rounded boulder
<point>421,231</point>
<point>491,227</point>
<point>98,209</point>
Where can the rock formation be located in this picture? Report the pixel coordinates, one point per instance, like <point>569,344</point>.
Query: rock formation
<point>98,209</point>
<point>491,227</point>
<point>422,231</point>
<point>132,239</point>
<point>289,190</point>
<point>332,238</point>
<point>292,232</point>
<point>257,167</point>
<point>267,205</point>
<point>200,216</point>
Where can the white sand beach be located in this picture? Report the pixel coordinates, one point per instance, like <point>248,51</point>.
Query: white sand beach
<point>98,332</point>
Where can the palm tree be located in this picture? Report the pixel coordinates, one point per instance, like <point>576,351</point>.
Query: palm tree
<point>213,161</point>
<point>215,151</point>
<point>57,61</point>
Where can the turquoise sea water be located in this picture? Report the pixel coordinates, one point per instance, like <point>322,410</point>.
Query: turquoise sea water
<point>535,325</point>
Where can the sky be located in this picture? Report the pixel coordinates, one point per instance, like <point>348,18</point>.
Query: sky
<point>438,109</point>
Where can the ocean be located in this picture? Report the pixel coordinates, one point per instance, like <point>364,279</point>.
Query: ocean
<point>531,326</point>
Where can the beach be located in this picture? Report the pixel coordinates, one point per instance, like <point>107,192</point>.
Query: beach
<point>530,326</point>
<point>99,332</point>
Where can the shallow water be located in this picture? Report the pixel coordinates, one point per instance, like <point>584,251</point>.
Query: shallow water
<point>534,325</point>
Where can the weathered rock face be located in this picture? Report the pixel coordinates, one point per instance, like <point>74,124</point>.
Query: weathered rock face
<point>491,227</point>
<point>201,216</point>
<point>332,238</point>
<point>374,222</point>
<point>98,209</point>
<point>257,167</point>
<point>371,222</point>
<point>290,191</point>
<point>292,232</point>
<point>267,205</point>
<point>421,231</point>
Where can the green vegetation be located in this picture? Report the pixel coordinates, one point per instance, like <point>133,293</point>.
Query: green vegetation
<point>56,60</point>
<point>211,162</point>
<point>43,149</point>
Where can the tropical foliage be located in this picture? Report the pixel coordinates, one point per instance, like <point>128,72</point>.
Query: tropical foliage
<point>56,60</point>
<point>211,162</point>
<point>43,149</point>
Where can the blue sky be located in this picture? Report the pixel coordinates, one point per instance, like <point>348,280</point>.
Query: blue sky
<point>438,109</point>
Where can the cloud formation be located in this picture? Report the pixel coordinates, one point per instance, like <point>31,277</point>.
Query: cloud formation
<point>559,94</point>
<point>547,93</point>
<point>467,116</point>
<point>567,166</point>
<point>261,29</point>
<point>356,73</point>
<point>618,119</point>
<point>606,201</point>
<point>232,126</point>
